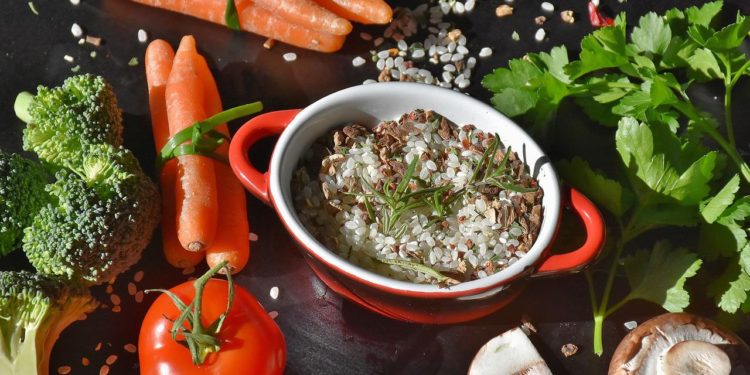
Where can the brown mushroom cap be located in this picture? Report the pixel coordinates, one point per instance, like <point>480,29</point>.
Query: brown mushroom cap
<point>695,357</point>
<point>663,332</point>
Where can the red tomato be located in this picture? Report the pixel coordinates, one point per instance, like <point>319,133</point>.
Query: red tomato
<point>251,341</point>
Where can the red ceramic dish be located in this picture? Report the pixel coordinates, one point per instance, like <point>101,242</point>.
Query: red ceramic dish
<point>298,129</point>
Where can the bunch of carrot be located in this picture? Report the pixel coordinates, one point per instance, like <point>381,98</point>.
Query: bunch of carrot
<point>204,212</point>
<point>320,25</point>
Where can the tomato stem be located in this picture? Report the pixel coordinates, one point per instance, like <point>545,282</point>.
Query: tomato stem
<point>200,340</point>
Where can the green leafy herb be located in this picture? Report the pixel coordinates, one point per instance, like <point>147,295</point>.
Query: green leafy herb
<point>671,153</point>
<point>231,19</point>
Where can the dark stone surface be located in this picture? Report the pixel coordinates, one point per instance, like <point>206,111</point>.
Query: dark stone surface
<point>324,334</point>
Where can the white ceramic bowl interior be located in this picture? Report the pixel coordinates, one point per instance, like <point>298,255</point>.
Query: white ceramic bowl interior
<point>370,104</point>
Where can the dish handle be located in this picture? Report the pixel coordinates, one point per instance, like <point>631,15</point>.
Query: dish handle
<point>262,126</point>
<point>593,223</point>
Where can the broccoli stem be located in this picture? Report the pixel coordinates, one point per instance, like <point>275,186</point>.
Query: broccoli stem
<point>21,106</point>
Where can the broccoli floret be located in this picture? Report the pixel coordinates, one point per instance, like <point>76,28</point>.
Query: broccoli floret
<point>61,119</point>
<point>103,214</point>
<point>34,310</point>
<point>21,196</point>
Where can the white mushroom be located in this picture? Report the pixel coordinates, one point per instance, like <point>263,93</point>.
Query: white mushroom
<point>675,343</point>
<point>509,353</point>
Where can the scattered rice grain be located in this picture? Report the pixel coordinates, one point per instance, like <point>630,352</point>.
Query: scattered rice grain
<point>358,61</point>
<point>540,35</point>
<point>274,292</point>
<point>142,36</point>
<point>485,52</point>
<point>76,30</point>
<point>290,56</point>
<point>548,7</point>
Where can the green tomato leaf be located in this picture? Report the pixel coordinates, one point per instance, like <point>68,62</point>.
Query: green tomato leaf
<point>703,15</point>
<point>704,64</point>
<point>514,102</point>
<point>715,206</point>
<point>659,275</point>
<point>731,36</point>
<point>602,190</point>
<point>651,35</point>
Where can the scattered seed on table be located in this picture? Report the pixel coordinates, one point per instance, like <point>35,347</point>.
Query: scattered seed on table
<point>378,42</point>
<point>630,325</point>
<point>142,36</point>
<point>569,349</point>
<point>81,41</point>
<point>104,370</point>
<point>75,69</point>
<point>115,299</point>
<point>365,36</point>
<point>540,35</point>
<point>98,347</point>
<point>269,43</point>
<point>253,237</point>
<point>548,7</point>
<point>504,10</point>
<point>139,296</point>
<point>132,289</point>
<point>130,348</point>
<point>515,36</point>
<point>133,61</point>
<point>63,370</point>
<point>358,61</point>
<point>567,16</point>
<point>68,58</point>
<point>116,309</point>
<point>188,271</point>
<point>75,2</point>
<point>93,54</point>
<point>274,292</point>
<point>76,30</point>
<point>111,359</point>
<point>93,40</point>
<point>485,52</point>
<point>138,276</point>
<point>469,5</point>
<point>540,20</point>
<point>290,56</point>
<point>109,289</point>
<point>85,361</point>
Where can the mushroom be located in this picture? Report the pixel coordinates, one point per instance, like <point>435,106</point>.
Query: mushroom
<point>679,343</point>
<point>509,353</point>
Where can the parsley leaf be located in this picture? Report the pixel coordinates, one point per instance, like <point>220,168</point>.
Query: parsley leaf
<point>704,63</point>
<point>602,190</point>
<point>651,35</point>
<point>715,206</point>
<point>703,15</point>
<point>659,275</point>
<point>730,289</point>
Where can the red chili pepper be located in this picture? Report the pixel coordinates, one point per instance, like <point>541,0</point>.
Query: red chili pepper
<point>596,18</point>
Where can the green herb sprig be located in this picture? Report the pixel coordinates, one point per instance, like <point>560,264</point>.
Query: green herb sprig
<point>671,172</point>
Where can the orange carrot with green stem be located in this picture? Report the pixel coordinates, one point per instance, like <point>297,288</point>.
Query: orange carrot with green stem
<point>232,241</point>
<point>158,62</point>
<point>308,14</point>
<point>195,190</point>
<point>362,11</point>
<point>255,19</point>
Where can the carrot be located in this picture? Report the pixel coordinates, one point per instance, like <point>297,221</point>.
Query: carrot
<point>254,19</point>
<point>195,190</point>
<point>362,11</point>
<point>232,242</point>
<point>158,61</point>
<point>308,14</point>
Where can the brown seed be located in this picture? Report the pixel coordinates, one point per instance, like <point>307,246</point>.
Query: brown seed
<point>569,349</point>
<point>111,359</point>
<point>109,289</point>
<point>62,370</point>
<point>130,348</point>
<point>568,16</point>
<point>454,34</point>
<point>138,276</point>
<point>115,299</point>
<point>98,347</point>
<point>268,44</point>
<point>116,309</point>
<point>93,40</point>
<point>85,361</point>
<point>139,296</point>
<point>540,20</point>
<point>504,10</point>
<point>104,370</point>
<point>132,289</point>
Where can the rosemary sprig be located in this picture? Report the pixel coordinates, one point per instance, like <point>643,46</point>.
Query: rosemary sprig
<point>419,267</point>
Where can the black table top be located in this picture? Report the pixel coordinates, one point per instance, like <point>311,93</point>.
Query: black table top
<point>324,334</point>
